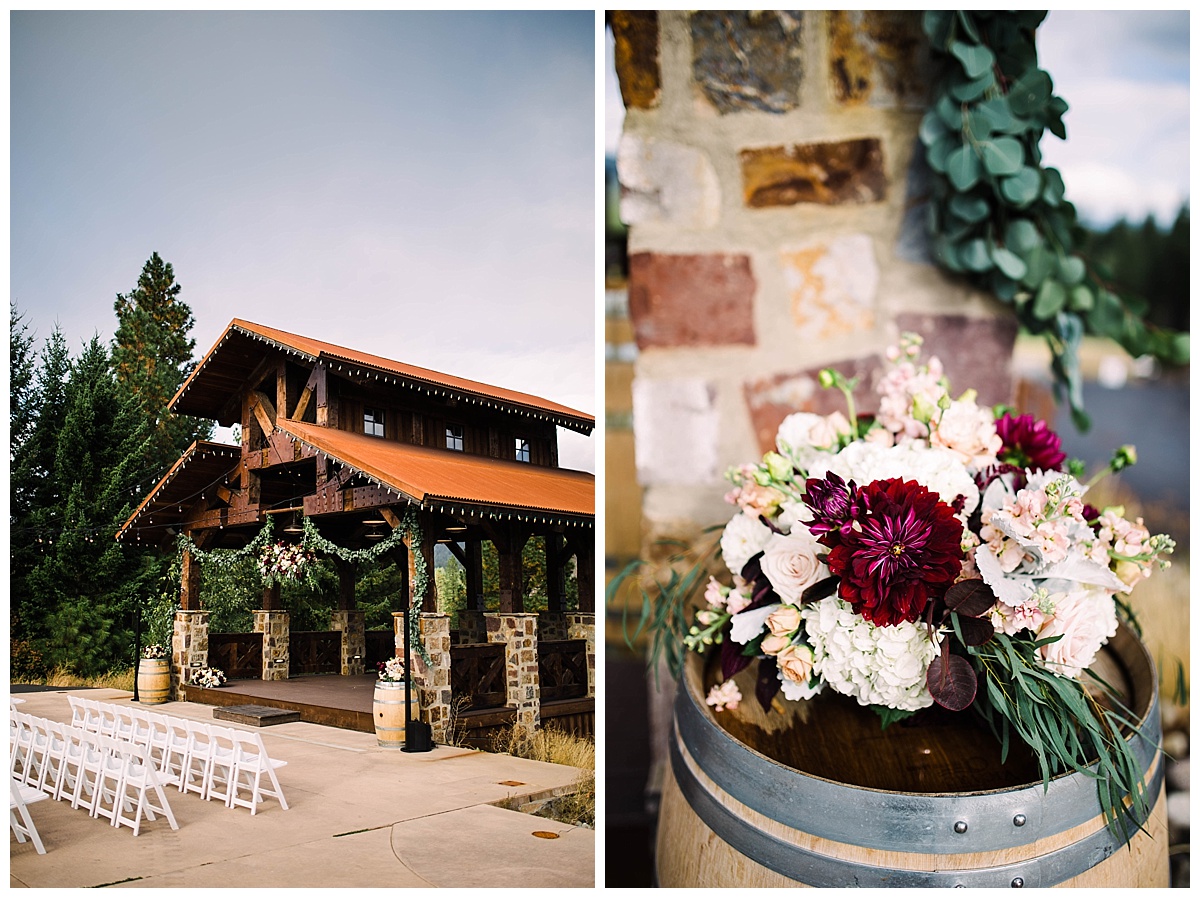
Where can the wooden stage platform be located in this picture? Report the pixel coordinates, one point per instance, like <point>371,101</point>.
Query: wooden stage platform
<point>347,703</point>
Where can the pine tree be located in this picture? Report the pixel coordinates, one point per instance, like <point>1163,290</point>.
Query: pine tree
<point>152,356</point>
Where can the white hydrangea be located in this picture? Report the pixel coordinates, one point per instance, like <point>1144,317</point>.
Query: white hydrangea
<point>744,537</point>
<point>875,665</point>
<point>935,468</point>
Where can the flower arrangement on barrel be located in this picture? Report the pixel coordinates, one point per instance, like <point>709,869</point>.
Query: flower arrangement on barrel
<point>391,670</point>
<point>937,553</point>
<point>155,652</point>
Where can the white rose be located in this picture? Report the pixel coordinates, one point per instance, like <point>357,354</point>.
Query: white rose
<point>802,437</point>
<point>970,433</point>
<point>1086,619</point>
<point>744,537</point>
<point>790,563</point>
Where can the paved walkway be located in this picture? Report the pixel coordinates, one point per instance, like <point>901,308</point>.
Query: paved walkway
<point>358,816</point>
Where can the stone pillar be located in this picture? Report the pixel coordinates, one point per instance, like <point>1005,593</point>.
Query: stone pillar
<point>352,625</point>
<point>552,626</point>
<point>274,627</point>
<point>432,681</point>
<point>189,648</point>
<point>581,625</point>
<point>471,627</point>
<point>518,633</point>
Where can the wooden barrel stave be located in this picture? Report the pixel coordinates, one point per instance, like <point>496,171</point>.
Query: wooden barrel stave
<point>708,837</point>
<point>389,714</point>
<point>153,681</point>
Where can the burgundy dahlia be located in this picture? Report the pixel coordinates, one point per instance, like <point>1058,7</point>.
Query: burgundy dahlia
<point>904,550</point>
<point>835,504</point>
<point>1029,443</point>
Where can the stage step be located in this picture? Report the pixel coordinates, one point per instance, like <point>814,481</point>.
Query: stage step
<point>255,715</point>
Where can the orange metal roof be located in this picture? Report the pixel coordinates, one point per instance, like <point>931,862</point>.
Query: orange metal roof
<point>201,466</point>
<point>319,350</point>
<point>437,476</point>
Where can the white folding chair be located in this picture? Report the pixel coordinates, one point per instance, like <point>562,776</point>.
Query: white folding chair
<point>91,761</point>
<point>78,712</point>
<point>71,768</point>
<point>38,751</point>
<point>21,739</point>
<point>52,758</point>
<point>197,764</point>
<point>92,717</point>
<point>175,750</point>
<point>140,777</point>
<point>221,763</point>
<point>251,763</point>
<point>140,730</point>
<point>110,779</point>
<point>20,797</point>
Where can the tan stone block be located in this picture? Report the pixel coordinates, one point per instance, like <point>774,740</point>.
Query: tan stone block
<point>833,173</point>
<point>831,285</point>
<point>880,58</point>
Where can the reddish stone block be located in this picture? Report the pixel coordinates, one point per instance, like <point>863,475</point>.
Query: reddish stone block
<point>841,172</point>
<point>975,352</point>
<point>772,399</point>
<point>691,300</point>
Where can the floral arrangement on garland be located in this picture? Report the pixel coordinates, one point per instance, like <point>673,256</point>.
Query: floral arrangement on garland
<point>939,552</point>
<point>208,678</point>
<point>155,652</point>
<point>391,670</point>
<point>280,561</point>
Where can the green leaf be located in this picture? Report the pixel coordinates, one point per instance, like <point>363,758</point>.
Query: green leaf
<point>1023,187</point>
<point>974,88</point>
<point>975,58</point>
<point>999,115</point>
<point>1054,190</point>
<point>949,112</point>
<point>1030,92</point>
<point>1002,156</point>
<point>1039,262</point>
<point>1070,270</point>
<point>937,154</point>
<point>936,24</point>
<point>962,168</point>
<point>1051,297</point>
<point>1022,235</point>
<point>968,24</point>
<point>1081,298</point>
<point>974,255</point>
<point>970,208</point>
<point>932,128</point>
<point>977,125</point>
<point>1009,263</point>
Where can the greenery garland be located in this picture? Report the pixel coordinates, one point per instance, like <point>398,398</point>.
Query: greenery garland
<point>313,541</point>
<point>1000,217</point>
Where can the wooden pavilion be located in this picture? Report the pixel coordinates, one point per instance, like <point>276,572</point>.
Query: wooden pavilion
<point>357,443</point>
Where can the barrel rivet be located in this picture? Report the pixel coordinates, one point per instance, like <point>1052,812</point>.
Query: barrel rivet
<point>1018,883</point>
<point>1019,820</point>
<point>960,826</point>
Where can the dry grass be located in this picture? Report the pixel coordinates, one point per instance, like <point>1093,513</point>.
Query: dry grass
<point>116,679</point>
<point>556,747</point>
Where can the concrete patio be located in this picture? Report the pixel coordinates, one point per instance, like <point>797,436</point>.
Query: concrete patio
<point>359,816</point>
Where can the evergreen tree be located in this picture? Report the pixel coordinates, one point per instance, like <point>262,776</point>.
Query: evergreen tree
<point>152,356</point>
<point>86,583</point>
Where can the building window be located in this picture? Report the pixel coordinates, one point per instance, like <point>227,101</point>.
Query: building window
<point>522,449</point>
<point>454,437</point>
<point>373,422</point>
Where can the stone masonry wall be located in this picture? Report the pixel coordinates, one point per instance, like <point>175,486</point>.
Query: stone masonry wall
<point>276,630</point>
<point>518,633</point>
<point>776,212</point>
<point>433,681</point>
<point>352,625</point>
<point>189,648</point>
<point>582,625</point>
<point>471,627</point>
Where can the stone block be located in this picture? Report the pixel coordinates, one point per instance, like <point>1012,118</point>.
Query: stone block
<point>771,399</point>
<point>676,425</point>
<point>666,182</point>
<point>878,58</point>
<point>691,300</point>
<point>635,57</point>
<point>975,352</point>
<point>833,173</point>
<point>831,285</point>
<point>748,60</point>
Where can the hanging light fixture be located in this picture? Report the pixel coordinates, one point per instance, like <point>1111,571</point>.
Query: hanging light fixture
<point>294,527</point>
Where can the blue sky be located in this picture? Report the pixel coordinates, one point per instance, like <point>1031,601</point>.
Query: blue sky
<point>421,186</point>
<point>1125,76</point>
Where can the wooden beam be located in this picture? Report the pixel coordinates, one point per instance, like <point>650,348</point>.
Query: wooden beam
<point>281,390</point>
<point>457,551</point>
<point>318,373</point>
<point>390,516</point>
<point>264,412</point>
<point>474,566</point>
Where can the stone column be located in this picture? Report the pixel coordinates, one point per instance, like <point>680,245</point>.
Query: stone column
<point>518,633</point>
<point>552,626</point>
<point>189,646</point>
<point>433,680</point>
<point>274,627</point>
<point>472,627</point>
<point>352,625</point>
<point>581,625</point>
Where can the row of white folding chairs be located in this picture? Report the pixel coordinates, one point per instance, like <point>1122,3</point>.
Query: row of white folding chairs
<point>108,777</point>
<point>212,760</point>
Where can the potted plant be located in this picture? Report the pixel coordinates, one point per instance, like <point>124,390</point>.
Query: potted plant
<point>154,675</point>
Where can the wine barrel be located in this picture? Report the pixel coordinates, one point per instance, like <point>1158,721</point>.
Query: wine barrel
<point>153,681</point>
<point>389,713</point>
<point>733,815</point>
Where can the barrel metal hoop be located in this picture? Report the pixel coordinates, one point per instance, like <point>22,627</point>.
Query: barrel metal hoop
<point>824,871</point>
<point>924,823</point>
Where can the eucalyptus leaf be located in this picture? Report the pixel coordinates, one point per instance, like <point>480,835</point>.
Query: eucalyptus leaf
<point>1054,190</point>
<point>1030,92</point>
<point>1051,297</point>
<point>974,255</point>
<point>1002,156</point>
<point>1023,187</point>
<point>1022,235</point>
<point>932,128</point>
<point>1071,270</point>
<point>1009,263</point>
<point>1039,264</point>
<point>938,153</point>
<point>963,168</point>
<point>949,112</point>
<point>967,19</point>
<point>936,24</point>
<point>973,88</point>
<point>999,115</point>
<point>970,208</point>
<point>975,58</point>
<point>1081,298</point>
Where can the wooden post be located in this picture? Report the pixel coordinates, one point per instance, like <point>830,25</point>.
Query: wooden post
<point>584,546</point>
<point>189,583</point>
<point>512,582</point>
<point>554,572</point>
<point>271,601</point>
<point>428,601</point>
<point>474,575</point>
<point>347,575</point>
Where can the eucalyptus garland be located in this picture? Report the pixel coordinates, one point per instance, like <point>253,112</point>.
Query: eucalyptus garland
<point>1000,217</point>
